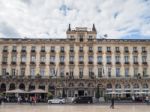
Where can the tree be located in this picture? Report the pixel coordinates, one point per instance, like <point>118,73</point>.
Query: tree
<point>97,95</point>
<point>49,95</point>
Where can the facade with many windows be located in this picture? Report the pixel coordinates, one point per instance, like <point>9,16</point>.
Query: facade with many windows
<point>78,64</point>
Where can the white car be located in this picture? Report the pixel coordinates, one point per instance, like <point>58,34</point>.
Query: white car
<point>56,101</point>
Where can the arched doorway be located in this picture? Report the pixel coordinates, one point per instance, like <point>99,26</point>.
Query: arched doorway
<point>101,89</point>
<point>3,87</point>
<point>80,89</point>
<point>22,86</point>
<point>127,90</point>
<point>12,86</point>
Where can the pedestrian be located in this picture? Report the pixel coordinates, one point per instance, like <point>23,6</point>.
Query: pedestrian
<point>147,100</point>
<point>112,103</point>
<point>30,100</point>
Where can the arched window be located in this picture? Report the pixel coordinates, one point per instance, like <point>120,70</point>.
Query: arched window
<point>145,86</point>
<point>81,85</point>
<point>22,86</point>
<point>31,87</point>
<point>42,86</point>
<point>136,86</point>
<point>3,87</point>
<point>109,86</point>
<point>12,86</point>
<point>127,86</point>
<point>118,86</point>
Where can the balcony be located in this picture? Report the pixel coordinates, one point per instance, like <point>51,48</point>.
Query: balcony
<point>99,63</point>
<point>14,51</point>
<point>43,51</point>
<point>108,63</point>
<point>13,63</point>
<point>62,63</point>
<point>144,63</point>
<point>81,51</point>
<point>99,51</point>
<point>81,62</point>
<point>52,63</point>
<point>135,63</point>
<point>135,52</point>
<point>5,51</point>
<point>126,63</point>
<point>23,51</point>
<point>42,63</point>
<point>144,52</point>
<point>52,51</point>
<point>117,51</point>
<point>22,63</point>
<point>90,39</point>
<point>32,63</point>
<point>109,52</point>
<point>117,63</point>
<point>4,63</point>
<point>90,51</point>
<point>71,51</point>
<point>90,62</point>
<point>33,51</point>
<point>71,62</point>
<point>126,51</point>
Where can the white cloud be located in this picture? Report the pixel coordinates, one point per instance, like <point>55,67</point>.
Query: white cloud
<point>50,18</point>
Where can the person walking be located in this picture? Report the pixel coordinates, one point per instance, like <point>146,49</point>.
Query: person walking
<point>112,103</point>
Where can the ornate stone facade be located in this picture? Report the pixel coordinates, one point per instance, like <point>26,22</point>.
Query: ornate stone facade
<point>77,64</point>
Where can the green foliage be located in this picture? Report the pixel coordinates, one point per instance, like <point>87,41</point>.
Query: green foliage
<point>49,95</point>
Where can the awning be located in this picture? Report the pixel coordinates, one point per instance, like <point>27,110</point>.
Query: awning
<point>38,91</point>
<point>16,91</point>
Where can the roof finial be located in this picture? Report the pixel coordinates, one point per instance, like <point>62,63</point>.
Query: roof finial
<point>69,28</point>
<point>93,28</point>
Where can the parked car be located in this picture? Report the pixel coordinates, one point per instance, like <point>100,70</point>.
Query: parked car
<point>56,101</point>
<point>83,99</point>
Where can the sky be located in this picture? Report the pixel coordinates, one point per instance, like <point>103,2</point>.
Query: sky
<point>119,19</point>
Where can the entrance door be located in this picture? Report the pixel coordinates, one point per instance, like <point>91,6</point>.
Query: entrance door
<point>80,92</point>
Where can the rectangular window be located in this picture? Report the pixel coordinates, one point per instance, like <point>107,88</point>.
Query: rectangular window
<point>99,49</point>
<point>14,58</point>
<point>52,48</point>
<point>23,58</point>
<point>126,49</point>
<point>4,71</point>
<point>108,59</point>
<point>126,72</point>
<point>23,48</point>
<point>71,58</point>
<point>99,59</point>
<point>117,48</point>
<point>134,49</point>
<point>52,59</point>
<point>62,58</point>
<point>143,49</point>
<point>81,58</point>
<point>32,71</point>
<point>4,58</point>
<point>62,49</point>
<point>13,72</point>
<point>108,49</point>
<point>80,72</point>
<point>144,71</point>
<point>33,48</point>
<point>90,72</point>
<point>117,72</point>
<point>42,59</point>
<point>52,72</point>
<point>126,59</point>
<point>62,72</point>
<point>33,58</point>
<point>81,48</point>
<point>117,58</point>
<point>71,48</point>
<point>71,72</point>
<point>42,71</point>
<point>43,48</point>
<point>22,71</point>
<point>135,71</point>
<point>135,59</point>
<point>144,58</point>
<point>99,72</point>
<point>5,48</point>
<point>90,37</point>
<point>90,58</point>
<point>90,48</point>
<point>14,48</point>
<point>109,72</point>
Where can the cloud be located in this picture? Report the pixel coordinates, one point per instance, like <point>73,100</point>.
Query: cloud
<point>50,18</point>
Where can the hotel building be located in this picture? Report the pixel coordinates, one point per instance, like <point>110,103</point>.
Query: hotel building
<point>78,64</point>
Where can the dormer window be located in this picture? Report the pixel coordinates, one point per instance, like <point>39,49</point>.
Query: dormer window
<point>90,38</point>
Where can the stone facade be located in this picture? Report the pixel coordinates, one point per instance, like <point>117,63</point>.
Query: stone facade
<point>77,64</point>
